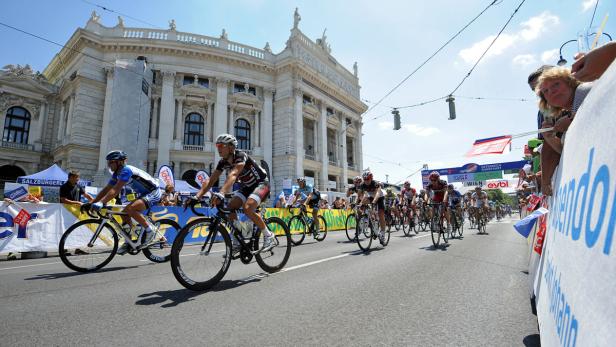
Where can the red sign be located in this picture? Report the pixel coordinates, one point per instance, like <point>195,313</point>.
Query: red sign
<point>533,201</point>
<point>543,226</point>
<point>22,218</point>
<point>497,184</point>
<point>494,145</point>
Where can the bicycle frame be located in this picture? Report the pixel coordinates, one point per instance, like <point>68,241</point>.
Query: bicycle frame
<point>109,220</point>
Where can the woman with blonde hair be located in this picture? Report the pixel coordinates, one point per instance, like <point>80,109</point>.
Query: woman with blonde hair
<point>560,96</point>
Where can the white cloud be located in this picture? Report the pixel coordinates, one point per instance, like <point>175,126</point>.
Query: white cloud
<point>588,4</point>
<point>524,60</point>
<point>419,130</point>
<point>549,57</point>
<point>531,30</point>
<point>386,125</point>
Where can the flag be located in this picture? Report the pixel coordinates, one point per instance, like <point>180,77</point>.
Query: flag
<point>525,225</point>
<point>166,175</point>
<point>492,145</point>
<point>533,201</point>
<point>201,177</point>
<point>22,218</point>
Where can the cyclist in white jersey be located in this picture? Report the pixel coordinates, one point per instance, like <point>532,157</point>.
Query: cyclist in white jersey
<point>141,182</point>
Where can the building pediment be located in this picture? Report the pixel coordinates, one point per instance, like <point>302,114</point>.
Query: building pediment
<point>28,84</point>
<point>245,100</point>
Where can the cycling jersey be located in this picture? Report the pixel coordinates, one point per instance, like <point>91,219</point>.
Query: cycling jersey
<point>408,194</point>
<point>438,190</point>
<point>479,198</point>
<point>136,179</point>
<point>454,197</point>
<point>251,175</point>
<point>390,199</point>
<point>303,194</point>
<point>370,189</point>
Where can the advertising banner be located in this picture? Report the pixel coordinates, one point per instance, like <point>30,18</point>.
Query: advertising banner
<point>201,177</point>
<point>576,305</point>
<point>473,168</point>
<point>166,175</point>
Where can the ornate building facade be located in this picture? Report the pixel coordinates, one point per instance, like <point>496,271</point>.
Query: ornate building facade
<point>299,110</point>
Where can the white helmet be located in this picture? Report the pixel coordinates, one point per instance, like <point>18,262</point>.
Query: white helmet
<point>227,139</point>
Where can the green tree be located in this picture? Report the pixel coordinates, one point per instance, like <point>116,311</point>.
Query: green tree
<point>497,195</point>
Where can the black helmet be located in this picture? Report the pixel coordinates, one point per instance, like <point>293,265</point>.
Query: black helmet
<point>450,186</point>
<point>116,155</point>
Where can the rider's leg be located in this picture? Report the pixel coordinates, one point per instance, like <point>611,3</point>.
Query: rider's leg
<point>134,210</point>
<point>315,215</point>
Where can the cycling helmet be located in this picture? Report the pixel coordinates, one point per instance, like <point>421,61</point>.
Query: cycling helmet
<point>367,175</point>
<point>301,179</point>
<point>389,190</point>
<point>478,188</point>
<point>116,155</point>
<point>407,184</point>
<point>450,186</point>
<point>226,139</point>
<point>357,180</point>
<point>422,192</point>
<point>434,175</point>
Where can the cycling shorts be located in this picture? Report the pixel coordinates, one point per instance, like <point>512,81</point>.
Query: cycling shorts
<point>152,198</point>
<point>258,191</point>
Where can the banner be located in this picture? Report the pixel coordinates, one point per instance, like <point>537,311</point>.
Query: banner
<point>467,177</point>
<point>166,175</point>
<point>16,194</point>
<point>484,176</point>
<point>473,168</point>
<point>28,227</point>
<point>575,304</point>
<point>201,177</point>
<point>493,145</point>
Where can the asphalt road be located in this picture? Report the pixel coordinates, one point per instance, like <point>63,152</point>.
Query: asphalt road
<point>472,293</point>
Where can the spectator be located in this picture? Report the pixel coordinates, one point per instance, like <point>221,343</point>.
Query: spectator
<point>560,96</point>
<point>71,192</point>
<point>337,203</point>
<point>533,78</point>
<point>281,202</point>
<point>170,197</point>
<point>591,66</point>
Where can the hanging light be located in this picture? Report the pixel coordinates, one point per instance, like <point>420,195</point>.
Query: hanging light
<point>452,107</point>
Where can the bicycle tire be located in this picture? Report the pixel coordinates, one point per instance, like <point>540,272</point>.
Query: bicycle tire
<point>188,260</point>
<point>435,232</point>
<point>397,222</point>
<point>77,237</point>
<point>415,220</point>
<point>461,229</point>
<point>386,237</point>
<point>407,222</point>
<point>269,261</point>
<point>322,233</point>
<point>364,234</point>
<point>160,252</point>
<point>350,226</point>
<point>297,228</point>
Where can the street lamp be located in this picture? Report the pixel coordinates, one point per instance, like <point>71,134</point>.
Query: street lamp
<point>562,61</point>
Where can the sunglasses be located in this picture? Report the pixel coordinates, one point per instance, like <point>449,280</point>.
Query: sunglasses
<point>220,145</point>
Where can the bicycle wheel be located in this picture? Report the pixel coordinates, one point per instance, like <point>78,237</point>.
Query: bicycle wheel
<point>454,226</point>
<point>446,235</point>
<point>276,258</point>
<point>201,254</point>
<point>396,219</point>
<point>388,221</point>
<point>406,225</point>
<point>386,237</point>
<point>297,228</point>
<point>160,250</point>
<point>435,231</point>
<point>364,234</point>
<point>322,232</point>
<point>461,228</point>
<point>350,226</point>
<point>79,250</point>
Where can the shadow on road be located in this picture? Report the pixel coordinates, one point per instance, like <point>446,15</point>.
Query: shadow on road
<point>532,341</point>
<point>172,298</point>
<point>432,248</point>
<point>75,273</point>
<point>481,234</point>
<point>360,252</point>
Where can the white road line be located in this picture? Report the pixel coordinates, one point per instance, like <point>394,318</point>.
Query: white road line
<point>19,267</point>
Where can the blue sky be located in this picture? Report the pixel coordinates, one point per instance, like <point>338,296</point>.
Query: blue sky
<point>388,39</point>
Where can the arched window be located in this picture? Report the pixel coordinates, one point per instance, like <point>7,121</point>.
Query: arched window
<point>16,125</point>
<point>193,130</point>
<point>242,133</point>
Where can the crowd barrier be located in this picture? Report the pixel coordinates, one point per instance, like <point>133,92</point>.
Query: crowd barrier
<point>572,264</point>
<point>46,223</point>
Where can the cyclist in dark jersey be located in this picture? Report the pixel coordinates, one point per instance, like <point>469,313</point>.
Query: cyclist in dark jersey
<point>354,189</point>
<point>371,192</point>
<point>123,176</point>
<point>254,185</point>
<point>437,191</point>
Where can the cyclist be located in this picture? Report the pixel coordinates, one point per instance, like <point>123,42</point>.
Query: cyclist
<point>390,201</point>
<point>254,186</point>
<point>371,192</point>
<point>480,202</point>
<point>407,196</point>
<point>437,190</point>
<point>310,197</point>
<point>141,182</point>
<point>454,198</point>
<point>354,189</point>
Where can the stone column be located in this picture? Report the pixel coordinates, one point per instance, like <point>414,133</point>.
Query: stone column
<point>257,130</point>
<point>299,136</point>
<point>315,139</point>
<point>165,134</point>
<point>104,148</point>
<point>40,125</point>
<point>360,159</point>
<point>343,160</point>
<point>210,124</point>
<point>220,118</point>
<point>154,128</point>
<point>323,146</point>
<point>61,124</point>
<point>179,129</point>
<point>230,120</point>
<point>69,118</point>
<point>267,127</point>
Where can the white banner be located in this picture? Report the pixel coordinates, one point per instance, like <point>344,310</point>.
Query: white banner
<point>41,232</point>
<point>576,304</point>
<point>166,175</point>
<point>201,177</point>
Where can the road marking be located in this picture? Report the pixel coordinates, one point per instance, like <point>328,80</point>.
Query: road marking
<point>19,267</point>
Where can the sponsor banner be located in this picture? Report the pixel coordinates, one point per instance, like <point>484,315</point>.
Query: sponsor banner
<point>28,227</point>
<point>201,177</point>
<point>494,145</point>
<point>500,184</point>
<point>474,184</point>
<point>16,194</point>
<point>468,177</point>
<point>576,305</point>
<point>473,168</point>
<point>166,175</point>
<point>484,176</point>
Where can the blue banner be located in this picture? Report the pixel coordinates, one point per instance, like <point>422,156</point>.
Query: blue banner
<point>16,194</point>
<point>474,168</point>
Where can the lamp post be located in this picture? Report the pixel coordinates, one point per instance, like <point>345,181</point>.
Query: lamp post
<point>562,61</point>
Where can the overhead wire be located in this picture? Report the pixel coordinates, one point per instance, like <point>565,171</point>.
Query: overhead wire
<point>593,14</point>
<point>434,54</point>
